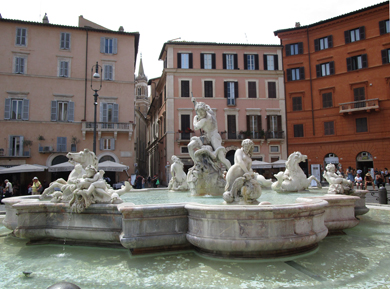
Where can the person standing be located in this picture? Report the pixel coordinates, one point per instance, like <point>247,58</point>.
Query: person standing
<point>8,190</point>
<point>36,186</point>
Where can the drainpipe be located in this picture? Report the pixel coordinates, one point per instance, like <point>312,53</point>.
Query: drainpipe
<point>86,71</point>
<point>285,97</point>
<point>311,84</point>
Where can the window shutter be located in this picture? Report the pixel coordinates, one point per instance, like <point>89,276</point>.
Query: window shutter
<point>248,122</point>
<point>279,119</point>
<point>102,40</point>
<point>276,62</point>
<point>330,41</point>
<point>235,61</point>
<point>225,84</point>
<point>300,48</point>
<point>385,57</point>
<point>256,62</point>
<point>245,61</point>
<point>382,27</point>
<point>103,112</point>
<point>106,72</point>
<point>101,143</point>
<point>53,110</point>
<point>316,44</point>
<point>349,64</point>
<point>265,62</point>
<point>25,114</point>
<point>213,60</point>
<point>364,61</point>
<point>268,122</point>
<point>259,128</point>
<point>21,139</point>
<point>236,89</point>
<point>362,32</point>
<point>301,73</point>
<point>331,67</point>
<point>10,147</point>
<point>318,70</point>
<point>67,41</point>
<point>7,108</point>
<point>202,61</point>
<point>66,66</point>
<point>115,46</point>
<point>347,37</point>
<point>224,60</point>
<point>190,60</point>
<point>271,89</point>
<point>112,144</point>
<point>288,49</point>
<point>179,60</point>
<point>62,45</point>
<point>71,111</point>
<point>115,117</point>
<point>289,77</point>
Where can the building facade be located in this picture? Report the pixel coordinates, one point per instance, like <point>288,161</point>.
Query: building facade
<point>47,102</point>
<point>242,83</point>
<point>337,79</point>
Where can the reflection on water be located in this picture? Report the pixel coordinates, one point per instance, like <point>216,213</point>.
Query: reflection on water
<point>359,259</point>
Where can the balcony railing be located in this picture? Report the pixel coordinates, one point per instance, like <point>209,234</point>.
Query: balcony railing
<point>48,149</point>
<point>252,135</point>
<point>274,135</point>
<point>360,105</point>
<point>115,127</point>
<point>184,136</point>
<point>13,154</point>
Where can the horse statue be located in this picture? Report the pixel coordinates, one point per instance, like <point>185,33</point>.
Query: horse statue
<point>293,179</point>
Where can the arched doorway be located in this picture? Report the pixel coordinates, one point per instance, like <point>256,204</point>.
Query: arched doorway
<point>59,160</point>
<point>230,156</point>
<point>110,177</point>
<point>364,162</point>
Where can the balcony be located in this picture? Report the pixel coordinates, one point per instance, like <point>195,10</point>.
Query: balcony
<point>359,106</point>
<point>184,137</point>
<point>48,149</point>
<point>14,154</point>
<point>117,127</point>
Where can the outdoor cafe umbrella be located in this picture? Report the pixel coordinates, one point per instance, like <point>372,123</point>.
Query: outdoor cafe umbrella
<point>61,167</point>
<point>110,166</point>
<point>26,168</point>
<point>261,165</point>
<point>279,164</point>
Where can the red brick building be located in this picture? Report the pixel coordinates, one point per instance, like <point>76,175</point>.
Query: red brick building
<point>337,80</point>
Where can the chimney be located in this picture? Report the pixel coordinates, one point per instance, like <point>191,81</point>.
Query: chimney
<point>121,29</point>
<point>297,24</point>
<point>45,19</point>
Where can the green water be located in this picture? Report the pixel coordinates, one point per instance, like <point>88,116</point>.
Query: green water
<point>358,259</point>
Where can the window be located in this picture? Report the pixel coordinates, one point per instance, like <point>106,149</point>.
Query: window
<point>354,35</point>
<point>230,61</point>
<point>384,27</point>
<point>108,73</point>
<point>294,49</point>
<point>16,146</point>
<point>253,125</point>
<point>108,45</point>
<point>359,97</point>
<point>62,110</point>
<point>271,89</point>
<point>295,74</point>
<point>256,149</point>
<point>231,92</point>
<point>361,124</point>
<point>323,43</point>
<point>65,41</point>
<point>273,149</point>
<point>64,69</point>
<point>385,56</point>
<point>185,126</point>
<point>17,109</point>
<point>297,103</point>
<point>251,62</point>
<point>185,88</point>
<point>107,144</point>
<point>329,128</point>
<point>357,62</point>
<point>327,100</point>
<point>231,124</point>
<point>274,126</point>
<point>270,62</point>
<point>298,130</point>
<point>208,88</point>
<point>109,114</point>
<point>19,64</point>
<point>184,150</point>
<point>325,69</point>
<point>184,60</point>
<point>21,37</point>
<point>252,92</point>
<point>61,144</point>
<point>207,61</point>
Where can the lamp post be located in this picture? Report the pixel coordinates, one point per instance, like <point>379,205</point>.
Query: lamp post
<point>95,74</point>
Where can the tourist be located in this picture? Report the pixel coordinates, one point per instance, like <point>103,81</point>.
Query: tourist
<point>8,190</point>
<point>350,174</point>
<point>149,182</point>
<point>368,181</point>
<point>378,180</point>
<point>29,189</point>
<point>358,181</point>
<point>154,181</point>
<point>36,187</point>
<point>143,182</point>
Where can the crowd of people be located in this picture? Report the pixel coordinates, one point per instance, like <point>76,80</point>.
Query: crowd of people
<point>35,187</point>
<point>375,178</point>
<point>141,182</point>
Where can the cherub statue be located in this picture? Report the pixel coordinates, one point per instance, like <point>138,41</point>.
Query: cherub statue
<point>337,184</point>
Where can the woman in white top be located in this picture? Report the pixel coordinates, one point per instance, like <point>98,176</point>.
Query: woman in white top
<point>358,181</point>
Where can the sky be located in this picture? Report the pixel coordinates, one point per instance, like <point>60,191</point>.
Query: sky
<point>158,21</point>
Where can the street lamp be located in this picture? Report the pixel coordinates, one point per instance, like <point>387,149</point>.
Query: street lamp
<point>95,74</point>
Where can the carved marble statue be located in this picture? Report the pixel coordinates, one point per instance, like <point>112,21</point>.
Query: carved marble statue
<point>242,186</point>
<point>208,154</point>
<point>85,185</point>
<point>178,181</point>
<point>337,183</point>
<point>293,179</point>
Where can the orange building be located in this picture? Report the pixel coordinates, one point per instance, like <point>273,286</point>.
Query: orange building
<point>337,79</point>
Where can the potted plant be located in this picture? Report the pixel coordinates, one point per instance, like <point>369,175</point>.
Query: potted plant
<point>40,137</point>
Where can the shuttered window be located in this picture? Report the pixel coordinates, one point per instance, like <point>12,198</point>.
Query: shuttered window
<point>252,93</point>
<point>271,89</point>
<point>185,88</point>
<point>298,130</point>
<point>108,45</point>
<point>355,34</point>
<point>65,41</point>
<point>208,88</point>
<point>232,132</point>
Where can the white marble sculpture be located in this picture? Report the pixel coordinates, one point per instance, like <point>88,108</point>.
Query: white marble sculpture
<point>178,181</point>
<point>208,154</point>
<point>337,183</point>
<point>242,186</point>
<point>293,179</point>
<point>85,185</point>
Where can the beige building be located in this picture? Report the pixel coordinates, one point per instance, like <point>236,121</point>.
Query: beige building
<point>244,85</point>
<point>47,102</point>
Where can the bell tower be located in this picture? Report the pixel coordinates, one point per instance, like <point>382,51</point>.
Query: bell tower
<point>141,90</point>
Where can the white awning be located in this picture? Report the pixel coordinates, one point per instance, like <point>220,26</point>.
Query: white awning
<point>261,165</point>
<point>110,166</point>
<point>23,169</point>
<point>279,164</point>
<point>62,167</point>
